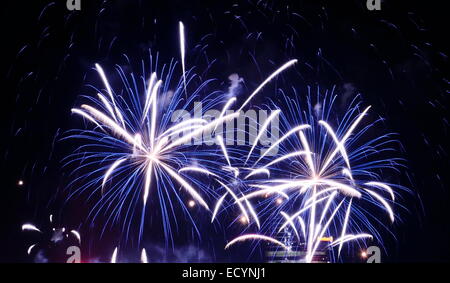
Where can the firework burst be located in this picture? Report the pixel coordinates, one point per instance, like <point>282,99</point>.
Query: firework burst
<point>142,142</point>
<point>328,179</point>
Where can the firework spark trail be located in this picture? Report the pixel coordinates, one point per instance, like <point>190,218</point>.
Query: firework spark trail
<point>266,81</point>
<point>217,207</point>
<point>182,52</point>
<point>255,237</point>
<point>77,235</point>
<point>30,227</point>
<point>30,248</point>
<point>114,256</point>
<point>262,129</point>
<point>321,172</point>
<point>144,258</point>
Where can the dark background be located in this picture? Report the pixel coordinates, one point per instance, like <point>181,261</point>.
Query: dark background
<point>396,57</point>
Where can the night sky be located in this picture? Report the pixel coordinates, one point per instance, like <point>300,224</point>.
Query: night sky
<point>396,58</point>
